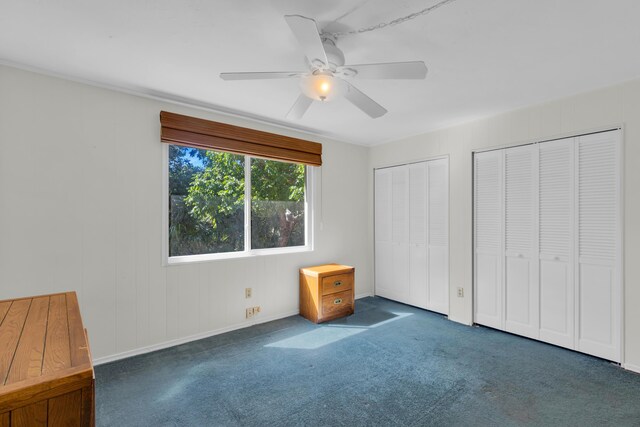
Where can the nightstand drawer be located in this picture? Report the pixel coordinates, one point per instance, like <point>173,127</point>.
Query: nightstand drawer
<point>337,304</point>
<point>337,283</point>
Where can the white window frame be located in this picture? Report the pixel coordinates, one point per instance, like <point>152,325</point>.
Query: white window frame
<point>247,252</point>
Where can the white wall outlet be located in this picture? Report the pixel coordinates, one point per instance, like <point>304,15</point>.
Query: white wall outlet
<point>460,292</point>
<point>249,312</point>
<point>247,292</point>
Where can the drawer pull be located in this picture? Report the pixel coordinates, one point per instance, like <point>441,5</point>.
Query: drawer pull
<point>337,301</point>
<point>337,283</point>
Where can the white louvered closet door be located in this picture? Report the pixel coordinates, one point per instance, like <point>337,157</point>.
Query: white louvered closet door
<point>397,287</point>
<point>412,234</point>
<point>556,255</point>
<point>418,284</point>
<point>438,235</point>
<point>488,228</point>
<point>521,243</point>
<point>598,299</point>
<point>558,231</point>
<point>400,232</point>
<point>383,251</point>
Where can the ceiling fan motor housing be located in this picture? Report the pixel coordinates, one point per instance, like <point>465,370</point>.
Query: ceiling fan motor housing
<point>335,57</point>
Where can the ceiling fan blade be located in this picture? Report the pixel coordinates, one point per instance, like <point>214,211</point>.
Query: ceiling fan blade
<point>261,75</point>
<point>299,107</point>
<point>387,70</point>
<point>363,102</point>
<point>308,35</point>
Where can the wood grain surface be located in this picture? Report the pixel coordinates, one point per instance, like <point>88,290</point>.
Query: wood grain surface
<point>207,134</point>
<point>46,374</point>
<point>326,292</point>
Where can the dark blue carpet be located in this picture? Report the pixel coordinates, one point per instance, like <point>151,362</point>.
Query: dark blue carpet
<point>388,364</point>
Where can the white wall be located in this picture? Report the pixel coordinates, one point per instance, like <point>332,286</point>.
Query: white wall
<point>81,209</point>
<point>618,105</point>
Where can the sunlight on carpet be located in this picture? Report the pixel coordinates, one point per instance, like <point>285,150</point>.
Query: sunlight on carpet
<point>329,334</point>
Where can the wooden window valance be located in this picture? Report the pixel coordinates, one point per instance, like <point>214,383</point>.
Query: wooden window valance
<point>206,134</point>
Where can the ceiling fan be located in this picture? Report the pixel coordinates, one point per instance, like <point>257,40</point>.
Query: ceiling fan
<point>327,75</point>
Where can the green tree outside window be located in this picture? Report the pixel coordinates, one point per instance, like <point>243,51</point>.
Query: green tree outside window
<point>207,197</point>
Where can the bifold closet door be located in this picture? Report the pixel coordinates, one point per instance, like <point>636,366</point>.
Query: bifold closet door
<point>556,225</point>
<point>438,235</point>
<point>383,251</point>
<point>392,248</point>
<point>412,234</point>
<point>548,242</point>
<point>521,243</point>
<point>599,246</point>
<point>400,233</point>
<point>488,238</point>
<point>418,282</point>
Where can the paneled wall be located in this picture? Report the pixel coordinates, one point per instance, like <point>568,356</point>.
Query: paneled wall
<point>81,209</point>
<point>613,106</point>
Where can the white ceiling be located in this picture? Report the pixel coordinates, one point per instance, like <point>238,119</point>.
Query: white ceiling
<point>484,56</point>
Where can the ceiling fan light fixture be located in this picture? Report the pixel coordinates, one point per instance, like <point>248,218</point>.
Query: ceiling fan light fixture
<point>321,86</point>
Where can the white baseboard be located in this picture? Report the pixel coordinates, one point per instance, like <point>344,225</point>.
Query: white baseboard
<point>171,343</point>
<point>195,337</point>
<point>365,295</point>
<point>631,367</point>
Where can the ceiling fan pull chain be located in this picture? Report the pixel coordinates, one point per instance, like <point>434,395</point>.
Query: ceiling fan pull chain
<point>390,23</point>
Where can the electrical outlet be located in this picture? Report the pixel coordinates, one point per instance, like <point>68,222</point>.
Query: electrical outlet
<point>460,292</point>
<point>247,292</point>
<point>249,313</point>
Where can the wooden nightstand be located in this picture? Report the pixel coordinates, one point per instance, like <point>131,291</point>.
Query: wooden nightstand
<point>326,292</point>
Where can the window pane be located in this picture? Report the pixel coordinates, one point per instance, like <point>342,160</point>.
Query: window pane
<point>277,204</point>
<point>206,201</point>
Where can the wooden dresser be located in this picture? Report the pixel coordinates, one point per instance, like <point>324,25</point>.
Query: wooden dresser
<point>326,292</point>
<point>46,374</point>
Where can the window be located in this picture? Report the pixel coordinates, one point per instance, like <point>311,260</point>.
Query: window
<point>232,191</point>
<point>222,204</point>
<point>277,204</point>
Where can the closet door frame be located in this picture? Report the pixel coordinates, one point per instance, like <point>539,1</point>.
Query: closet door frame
<point>620,248</point>
<point>620,218</point>
<point>408,163</point>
